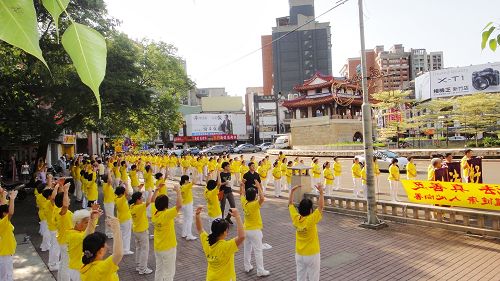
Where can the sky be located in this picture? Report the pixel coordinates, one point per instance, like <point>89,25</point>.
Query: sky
<point>212,35</point>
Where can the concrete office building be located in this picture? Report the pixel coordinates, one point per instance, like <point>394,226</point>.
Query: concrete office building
<point>194,96</point>
<point>422,61</point>
<point>300,54</point>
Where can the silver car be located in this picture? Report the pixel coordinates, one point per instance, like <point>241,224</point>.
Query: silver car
<point>215,150</point>
<point>384,158</point>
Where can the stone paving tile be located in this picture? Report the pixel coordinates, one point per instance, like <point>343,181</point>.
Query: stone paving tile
<point>399,252</point>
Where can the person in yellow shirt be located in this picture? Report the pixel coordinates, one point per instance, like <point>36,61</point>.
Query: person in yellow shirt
<point>251,205</point>
<point>165,243</point>
<point>44,230</point>
<point>212,167</point>
<point>307,250</point>
<point>277,178</point>
<point>356,177</point>
<point>394,179</point>
<point>187,208</point>
<point>296,162</point>
<point>124,175</point>
<point>436,163</point>
<point>237,163</point>
<point>328,175</point>
<point>140,228</point>
<point>92,192</point>
<point>8,241</point>
<point>134,178</point>
<point>63,220</point>
<point>364,187</point>
<point>108,200</point>
<point>219,251</point>
<point>288,175</point>
<point>464,165</point>
<point>123,214</point>
<point>243,169</point>
<point>337,172</point>
<point>116,175</point>
<point>211,195</point>
<point>315,172</point>
<point>411,169</point>
<point>376,173</point>
<point>262,171</point>
<point>94,247</point>
<point>84,222</point>
<point>54,250</point>
<point>283,167</point>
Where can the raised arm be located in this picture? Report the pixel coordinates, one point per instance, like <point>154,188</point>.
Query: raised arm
<point>178,202</point>
<point>321,201</point>
<point>242,187</point>
<point>199,224</point>
<point>3,196</point>
<point>65,203</point>
<point>152,197</point>
<point>290,198</point>
<point>261,192</point>
<point>114,224</point>
<point>12,199</point>
<point>239,224</point>
<point>95,213</point>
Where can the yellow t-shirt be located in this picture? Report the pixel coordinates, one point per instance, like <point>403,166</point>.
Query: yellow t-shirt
<point>431,174</point>
<point>356,170</point>
<point>213,205</point>
<point>63,224</point>
<point>116,172</point>
<point>49,215</point>
<point>148,180</point>
<point>40,202</point>
<point>134,179</point>
<point>411,170</point>
<point>92,192</point>
<point>187,193</point>
<point>108,191</point>
<point>105,270</point>
<point>288,174</point>
<point>164,229</point>
<point>337,169</point>
<point>306,236</point>
<point>220,258</point>
<point>253,220</point>
<point>393,173</point>
<point>262,172</point>
<point>376,169</point>
<point>7,240</point>
<point>122,209</point>
<point>277,172</point>
<point>328,174</point>
<point>316,171</point>
<point>75,248</point>
<point>123,174</point>
<point>139,218</point>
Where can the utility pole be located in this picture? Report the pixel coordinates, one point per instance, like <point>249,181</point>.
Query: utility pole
<point>372,221</point>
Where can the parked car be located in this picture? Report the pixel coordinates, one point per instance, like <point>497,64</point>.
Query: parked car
<point>192,150</point>
<point>178,151</point>
<point>215,150</point>
<point>457,138</point>
<point>282,142</point>
<point>247,147</point>
<point>265,146</point>
<point>384,158</point>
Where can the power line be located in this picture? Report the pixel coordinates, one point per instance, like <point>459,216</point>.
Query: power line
<point>337,4</point>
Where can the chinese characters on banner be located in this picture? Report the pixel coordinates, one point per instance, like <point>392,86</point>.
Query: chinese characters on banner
<point>475,170</point>
<point>454,173</point>
<point>205,138</point>
<point>468,195</point>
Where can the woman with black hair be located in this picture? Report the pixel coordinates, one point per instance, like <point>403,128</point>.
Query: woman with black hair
<point>140,228</point>
<point>95,267</point>
<point>8,245</point>
<point>187,208</point>
<point>123,214</point>
<point>394,179</point>
<point>307,251</point>
<point>165,243</point>
<point>211,195</point>
<point>277,178</point>
<point>219,251</point>
<point>109,199</point>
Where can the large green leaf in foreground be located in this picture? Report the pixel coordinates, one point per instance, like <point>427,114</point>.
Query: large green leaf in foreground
<point>55,8</point>
<point>87,49</point>
<point>18,26</point>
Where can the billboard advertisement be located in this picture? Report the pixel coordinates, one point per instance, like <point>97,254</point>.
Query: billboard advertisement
<point>483,78</point>
<point>207,124</point>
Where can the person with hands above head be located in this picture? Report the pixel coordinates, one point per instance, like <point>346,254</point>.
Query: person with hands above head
<point>94,247</point>
<point>123,214</point>
<point>307,250</point>
<point>108,200</point>
<point>84,222</point>
<point>219,251</point>
<point>63,218</point>
<point>211,195</point>
<point>227,191</point>
<point>251,202</point>
<point>187,207</point>
<point>7,240</point>
<point>50,213</point>
<point>140,229</point>
<point>165,243</point>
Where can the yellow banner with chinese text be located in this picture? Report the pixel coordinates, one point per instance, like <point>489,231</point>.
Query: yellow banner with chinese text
<point>468,195</point>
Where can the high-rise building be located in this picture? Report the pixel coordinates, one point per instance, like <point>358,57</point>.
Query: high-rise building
<point>395,64</point>
<point>421,61</point>
<point>250,92</point>
<point>267,64</point>
<point>301,53</point>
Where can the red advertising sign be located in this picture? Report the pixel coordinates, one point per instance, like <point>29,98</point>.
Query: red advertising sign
<point>205,138</point>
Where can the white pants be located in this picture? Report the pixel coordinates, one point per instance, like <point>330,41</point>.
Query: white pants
<point>109,210</point>
<point>74,275</point>
<point>356,186</point>
<point>364,187</point>
<point>165,265</point>
<point>84,202</point>
<point>126,230</point>
<point>236,181</point>
<point>314,182</point>
<point>187,220</point>
<point>264,185</point>
<point>78,190</point>
<point>54,250</point>
<point>116,182</point>
<point>393,188</point>
<point>336,183</point>
<point>308,267</point>
<point>253,242</point>
<point>277,187</point>
<point>6,268</point>
<point>63,273</point>
<point>45,246</point>
<point>328,189</point>
<point>145,196</point>
<point>141,249</point>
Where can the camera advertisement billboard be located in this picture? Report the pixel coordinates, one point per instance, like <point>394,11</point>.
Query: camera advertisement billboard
<point>484,78</point>
<point>216,124</point>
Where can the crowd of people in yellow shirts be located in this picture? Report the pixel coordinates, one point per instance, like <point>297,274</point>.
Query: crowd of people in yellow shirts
<point>135,194</point>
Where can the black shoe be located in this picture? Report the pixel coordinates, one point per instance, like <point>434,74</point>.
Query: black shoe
<point>229,221</point>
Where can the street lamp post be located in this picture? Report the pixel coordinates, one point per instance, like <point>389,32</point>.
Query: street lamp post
<point>372,221</point>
